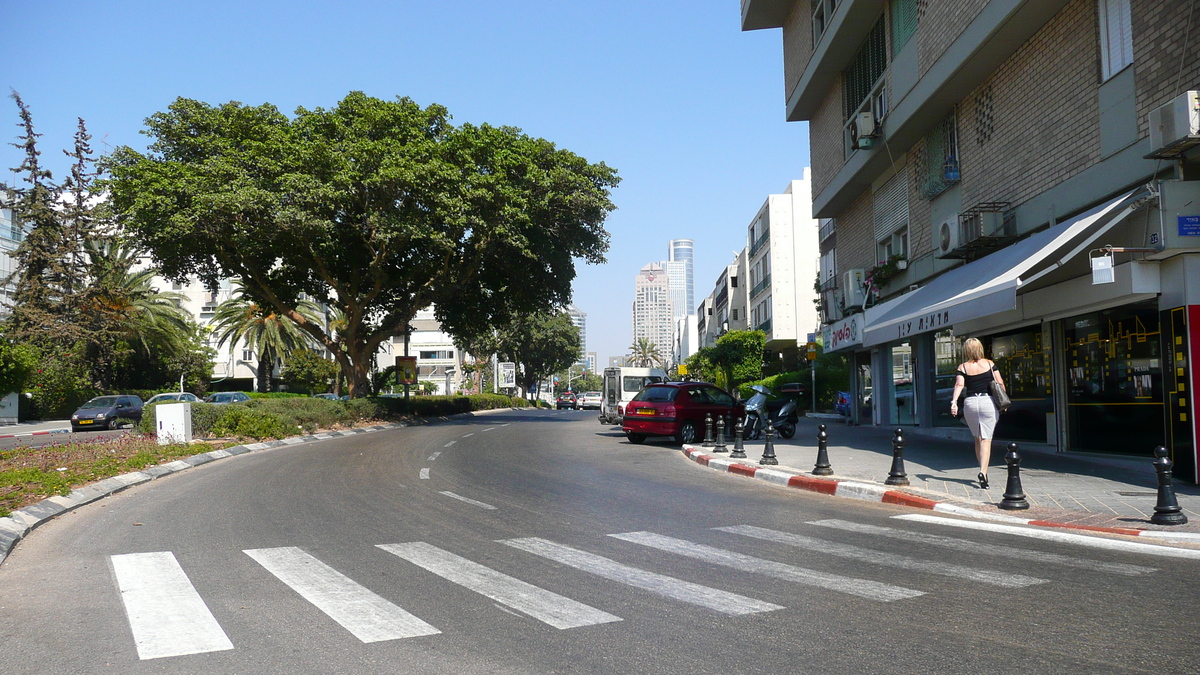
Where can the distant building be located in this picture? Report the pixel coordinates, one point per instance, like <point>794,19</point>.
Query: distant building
<point>680,255</point>
<point>580,320</point>
<point>589,362</point>
<point>11,235</point>
<point>652,309</point>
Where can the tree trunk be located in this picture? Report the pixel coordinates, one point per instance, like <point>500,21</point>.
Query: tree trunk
<point>264,384</point>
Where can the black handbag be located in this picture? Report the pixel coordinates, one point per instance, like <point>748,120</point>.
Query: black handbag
<point>999,396</point>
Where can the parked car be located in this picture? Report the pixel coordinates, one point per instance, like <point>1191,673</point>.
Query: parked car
<point>173,397</point>
<point>565,400</point>
<point>102,412</point>
<point>328,397</point>
<point>590,400</point>
<point>677,410</point>
<point>224,397</point>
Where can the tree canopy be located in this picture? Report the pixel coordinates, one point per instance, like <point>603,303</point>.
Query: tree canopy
<point>737,357</point>
<point>542,342</point>
<point>375,208</point>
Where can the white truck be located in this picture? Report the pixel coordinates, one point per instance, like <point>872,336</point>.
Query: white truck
<point>621,384</point>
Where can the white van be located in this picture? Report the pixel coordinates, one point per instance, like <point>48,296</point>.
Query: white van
<point>620,386</point>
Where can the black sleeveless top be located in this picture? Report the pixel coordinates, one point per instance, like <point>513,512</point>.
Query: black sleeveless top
<point>977,384</point>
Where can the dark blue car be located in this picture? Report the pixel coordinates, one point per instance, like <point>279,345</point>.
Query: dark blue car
<point>841,403</point>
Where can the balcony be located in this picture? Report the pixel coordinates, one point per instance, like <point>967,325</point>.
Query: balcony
<point>827,228</point>
<point>764,326</point>
<point>760,286</point>
<point>759,243</point>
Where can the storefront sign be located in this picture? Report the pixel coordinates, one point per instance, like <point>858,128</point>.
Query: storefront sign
<point>1189,226</point>
<point>921,324</point>
<point>843,334</point>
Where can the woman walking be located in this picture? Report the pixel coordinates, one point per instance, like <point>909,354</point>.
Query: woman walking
<point>974,374</point>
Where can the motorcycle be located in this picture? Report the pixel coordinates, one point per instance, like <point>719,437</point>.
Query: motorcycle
<point>761,411</point>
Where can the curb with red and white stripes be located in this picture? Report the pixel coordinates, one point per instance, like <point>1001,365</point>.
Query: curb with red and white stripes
<point>873,492</point>
<point>37,433</point>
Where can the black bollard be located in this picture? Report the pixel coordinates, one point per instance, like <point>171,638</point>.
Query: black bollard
<point>768,456</point>
<point>708,437</point>
<point>739,451</point>
<point>1014,494</point>
<point>720,444</point>
<point>1166,511</point>
<point>822,468</point>
<point>897,476</point>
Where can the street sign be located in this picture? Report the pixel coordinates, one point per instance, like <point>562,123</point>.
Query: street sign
<point>406,370</point>
<point>508,374</point>
<point>683,369</point>
<point>812,351</point>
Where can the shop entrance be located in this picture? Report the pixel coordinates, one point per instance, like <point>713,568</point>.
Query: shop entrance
<point>904,402</point>
<point>1115,387</point>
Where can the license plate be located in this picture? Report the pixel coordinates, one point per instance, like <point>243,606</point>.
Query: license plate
<point>85,421</point>
<point>645,411</point>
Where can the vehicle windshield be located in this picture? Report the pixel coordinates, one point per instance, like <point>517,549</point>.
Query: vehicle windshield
<point>637,382</point>
<point>657,394</point>
<point>100,402</point>
<point>167,397</point>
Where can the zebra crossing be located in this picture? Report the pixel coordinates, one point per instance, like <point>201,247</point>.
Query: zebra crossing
<point>167,616</point>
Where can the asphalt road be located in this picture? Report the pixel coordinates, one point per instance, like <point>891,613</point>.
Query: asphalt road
<point>542,542</point>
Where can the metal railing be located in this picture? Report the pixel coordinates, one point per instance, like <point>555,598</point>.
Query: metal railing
<point>760,286</point>
<point>760,242</point>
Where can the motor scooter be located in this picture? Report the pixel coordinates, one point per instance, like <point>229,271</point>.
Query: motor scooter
<point>761,411</point>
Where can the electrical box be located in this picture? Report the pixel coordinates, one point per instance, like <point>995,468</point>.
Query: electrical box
<point>174,422</point>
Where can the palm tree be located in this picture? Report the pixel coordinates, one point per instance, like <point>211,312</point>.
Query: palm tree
<point>645,353</point>
<point>268,334</point>
<point>120,305</point>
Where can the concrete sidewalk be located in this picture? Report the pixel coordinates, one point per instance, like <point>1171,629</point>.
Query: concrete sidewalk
<point>35,428</point>
<point>1078,490</point>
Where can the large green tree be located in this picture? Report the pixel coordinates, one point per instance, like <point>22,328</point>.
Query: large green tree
<point>645,353</point>
<point>736,357</point>
<point>376,208</point>
<point>541,342</point>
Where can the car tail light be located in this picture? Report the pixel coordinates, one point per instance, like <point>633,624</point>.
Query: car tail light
<point>620,410</point>
<point>669,411</point>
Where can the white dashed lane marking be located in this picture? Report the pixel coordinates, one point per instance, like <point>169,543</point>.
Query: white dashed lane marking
<point>468,500</point>
<point>425,473</point>
<point>434,456</point>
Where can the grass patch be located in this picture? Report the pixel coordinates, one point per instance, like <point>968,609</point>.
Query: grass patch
<point>29,475</point>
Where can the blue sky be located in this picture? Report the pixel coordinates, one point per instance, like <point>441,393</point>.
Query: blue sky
<point>688,109</point>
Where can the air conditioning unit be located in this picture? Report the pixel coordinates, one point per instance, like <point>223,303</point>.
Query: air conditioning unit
<point>946,237</point>
<point>863,130</point>
<point>853,291</point>
<point>1175,127</point>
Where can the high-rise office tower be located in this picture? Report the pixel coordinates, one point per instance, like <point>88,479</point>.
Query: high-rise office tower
<point>580,320</point>
<point>681,251</point>
<point>653,316</point>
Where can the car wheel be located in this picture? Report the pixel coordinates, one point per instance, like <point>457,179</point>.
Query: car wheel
<point>636,439</point>
<point>788,430</point>
<point>686,434</point>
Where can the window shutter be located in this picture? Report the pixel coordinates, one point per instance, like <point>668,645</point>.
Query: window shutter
<point>891,205</point>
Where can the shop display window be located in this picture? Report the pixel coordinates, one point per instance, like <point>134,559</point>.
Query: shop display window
<point>947,350</point>
<point>1115,387</point>
<point>1023,361</point>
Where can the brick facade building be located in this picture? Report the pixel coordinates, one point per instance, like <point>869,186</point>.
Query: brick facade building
<point>969,159</point>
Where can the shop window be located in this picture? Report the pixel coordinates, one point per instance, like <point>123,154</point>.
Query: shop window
<point>947,352</point>
<point>904,400</point>
<point>1115,381</point>
<point>1023,361</point>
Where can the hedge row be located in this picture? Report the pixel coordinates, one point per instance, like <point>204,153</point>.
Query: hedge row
<point>279,417</point>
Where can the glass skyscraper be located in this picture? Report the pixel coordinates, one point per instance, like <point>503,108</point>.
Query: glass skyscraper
<point>679,254</point>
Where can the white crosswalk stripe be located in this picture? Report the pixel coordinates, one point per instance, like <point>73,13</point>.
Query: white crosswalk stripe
<point>677,589</point>
<point>863,588</point>
<point>543,605</point>
<point>993,577</point>
<point>1061,537</point>
<point>367,616</point>
<point>968,546</point>
<point>166,614</point>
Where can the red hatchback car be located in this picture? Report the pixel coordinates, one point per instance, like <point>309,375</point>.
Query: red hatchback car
<point>678,410</point>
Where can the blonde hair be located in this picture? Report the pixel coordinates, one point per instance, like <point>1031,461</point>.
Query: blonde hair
<point>972,349</point>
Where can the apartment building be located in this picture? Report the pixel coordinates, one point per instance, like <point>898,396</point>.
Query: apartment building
<point>781,256</point>
<point>1024,172</point>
